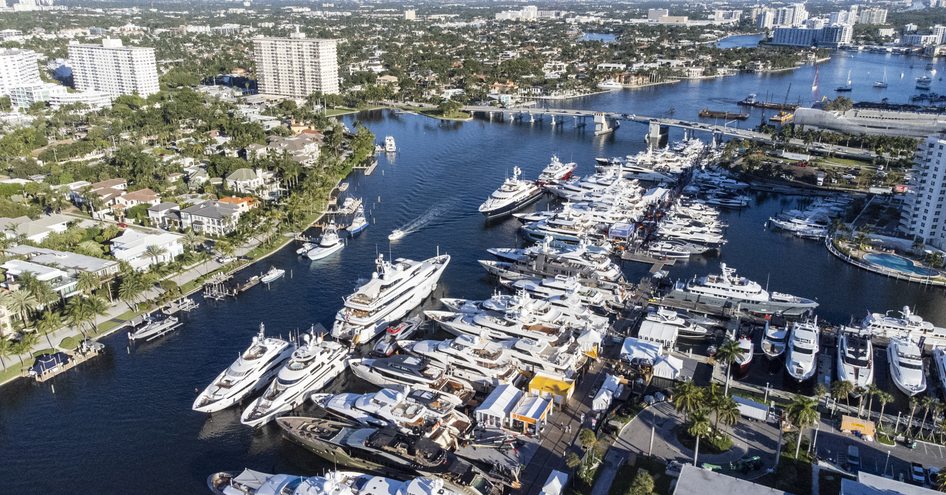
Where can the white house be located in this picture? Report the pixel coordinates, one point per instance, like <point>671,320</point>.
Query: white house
<point>133,247</point>
<point>34,230</point>
<point>210,218</point>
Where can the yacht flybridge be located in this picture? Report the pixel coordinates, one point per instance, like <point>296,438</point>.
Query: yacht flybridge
<point>393,291</point>
<point>801,360</point>
<point>512,195</point>
<point>855,360</point>
<point>905,324</point>
<point>251,371</point>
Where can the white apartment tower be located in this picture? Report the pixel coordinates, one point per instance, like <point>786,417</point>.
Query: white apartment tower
<point>922,216</point>
<point>17,69</point>
<point>114,69</point>
<point>296,66</point>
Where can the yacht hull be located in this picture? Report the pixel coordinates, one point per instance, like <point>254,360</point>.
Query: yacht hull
<point>510,208</point>
<point>791,309</point>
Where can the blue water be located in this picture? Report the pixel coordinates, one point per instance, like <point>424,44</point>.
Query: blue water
<point>899,263</point>
<point>602,37</point>
<point>123,421</point>
<point>740,41</point>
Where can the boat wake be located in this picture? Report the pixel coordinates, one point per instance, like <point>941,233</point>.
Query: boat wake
<point>432,213</point>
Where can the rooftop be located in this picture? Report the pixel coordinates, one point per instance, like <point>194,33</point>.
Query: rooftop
<point>697,481</point>
<point>63,259</point>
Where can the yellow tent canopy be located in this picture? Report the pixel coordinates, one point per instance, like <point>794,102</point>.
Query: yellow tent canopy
<point>851,424</point>
<point>547,384</point>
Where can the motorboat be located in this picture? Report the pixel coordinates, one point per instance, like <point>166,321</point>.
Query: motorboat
<point>515,323</point>
<point>253,370</point>
<point>272,275</point>
<point>560,286</point>
<point>251,482</point>
<point>483,363</point>
<point>393,291</point>
<point>389,452</point>
<point>567,307</point>
<point>155,325</point>
<point>668,250</point>
<point>855,360</point>
<point>905,324</point>
<point>685,329</point>
<point>396,234</point>
<point>774,339</point>
<point>924,83</point>
<point>610,85</point>
<point>744,358</point>
<point>329,244</point>
<point>394,333</point>
<point>305,248</point>
<point>728,288</point>
<point>389,145</point>
<point>433,414</point>
<point>906,366</point>
<point>358,223</point>
<point>589,267</point>
<point>310,367</point>
<point>401,369</point>
<point>801,360</point>
<point>556,171</point>
<point>562,357</point>
<point>512,195</point>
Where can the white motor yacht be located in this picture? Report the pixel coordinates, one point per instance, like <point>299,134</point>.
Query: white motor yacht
<point>393,291</point>
<point>272,275</point>
<point>801,360</point>
<point>415,371</point>
<point>516,323</point>
<point>329,244</point>
<point>855,360</point>
<point>483,363</point>
<point>512,195</point>
<point>389,145</point>
<point>155,326</point>
<point>396,234</point>
<point>685,329</point>
<point>251,482</point>
<point>595,297</point>
<point>906,324</point>
<point>394,333</point>
<point>906,366</point>
<point>740,292</point>
<point>556,171</point>
<point>251,371</point>
<point>359,221</point>
<point>312,366</point>
<point>774,340</point>
<point>939,359</point>
<point>744,359</point>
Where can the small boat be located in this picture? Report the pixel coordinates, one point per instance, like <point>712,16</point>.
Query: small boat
<point>782,117</point>
<point>403,330</point>
<point>773,340</point>
<point>156,326</point>
<point>882,84</point>
<point>706,113</point>
<point>272,275</point>
<point>358,223</point>
<point>396,234</point>
<point>305,248</point>
<point>855,358</point>
<point>744,359</point>
<point>924,83</point>
<point>906,366</point>
<point>329,244</point>
<point>610,85</point>
<point>389,144</point>
<point>846,88</point>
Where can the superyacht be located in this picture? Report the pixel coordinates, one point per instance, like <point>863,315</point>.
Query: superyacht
<point>556,171</point>
<point>483,363</point>
<point>512,195</point>
<point>742,293</point>
<point>393,291</point>
<point>801,359</point>
<point>906,366</point>
<point>415,371</point>
<point>855,359</point>
<point>906,324</point>
<point>560,286</point>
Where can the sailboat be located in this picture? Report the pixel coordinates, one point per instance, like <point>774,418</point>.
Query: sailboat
<point>847,87</point>
<point>882,84</point>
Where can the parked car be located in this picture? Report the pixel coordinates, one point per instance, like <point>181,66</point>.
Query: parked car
<point>917,473</point>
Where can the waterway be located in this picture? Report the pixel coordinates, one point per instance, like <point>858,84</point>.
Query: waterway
<point>123,421</point>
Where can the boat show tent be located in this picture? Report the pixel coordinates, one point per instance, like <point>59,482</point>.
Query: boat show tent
<point>637,348</point>
<point>866,428</point>
<point>590,342</point>
<point>654,195</point>
<point>609,389</point>
<point>496,410</point>
<point>554,386</point>
<point>659,333</point>
<point>555,484</point>
<point>531,414</point>
<point>668,367</point>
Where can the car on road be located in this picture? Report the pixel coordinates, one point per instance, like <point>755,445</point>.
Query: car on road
<point>853,459</point>
<point>917,473</point>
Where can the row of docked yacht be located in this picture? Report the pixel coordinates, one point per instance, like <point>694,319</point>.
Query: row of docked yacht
<point>812,222</point>
<point>516,193</point>
<point>250,482</point>
<point>657,165</point>
<point>562,287</point>
<point>588,264</point>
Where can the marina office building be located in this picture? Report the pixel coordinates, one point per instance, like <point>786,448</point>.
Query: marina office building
<point>922,216</point>
<point>114,69</point>
<point>296,66</point>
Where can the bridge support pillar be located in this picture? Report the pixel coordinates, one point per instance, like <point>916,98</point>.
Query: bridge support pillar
<point>601,124</point>
<point>580,121</point>
<point>658,135</point>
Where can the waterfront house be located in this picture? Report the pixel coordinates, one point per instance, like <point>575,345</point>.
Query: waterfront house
<point>259,182</point>
<point>141,250</point>
<point>34,230</point>
<point>210,218</point>
<point>166,216</point>
<point>73,263</point>
<point>242,205</point>
<point>60,281</point>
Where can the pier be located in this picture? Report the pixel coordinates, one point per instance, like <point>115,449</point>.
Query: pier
<point>77,357</point>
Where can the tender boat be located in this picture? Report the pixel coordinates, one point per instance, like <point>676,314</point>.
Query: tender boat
<point>801,360</point>
<point>556,171</point>
<point>254,369</point>
<point>393,291</point>
<point>411,370</point>
<point>329,244</point>
<point>389,145</point>
<point>358,223</point>
<point>744,359</point>
<point>312,366</point>
<point>906,366</point>
<point>396,234</point>
<point>155,326</point>
<point>272,275</point>
<point>740,292</point>
<point>305,248</point>
<point>685,329</point>
<point>512,195</point>
<point>394,333</point>
<point>855,361</point>
<point>774,339</point>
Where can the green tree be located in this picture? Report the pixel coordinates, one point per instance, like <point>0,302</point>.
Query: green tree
<point>726,411</point>
<point>699,427</point>
<point>842,389</point>
<point>802,412</point>
<point>78,314</point>
<point>687,398</point>
<point>22,303</point>
<point>586,438</point>
<point>24,345</point>
<point>50,322</point>
<point>88,282</point>
<point>6,350</point>
<point>643,484</point>
<point>939,483</point>
<point>884,398</point>
<point>155,252</point>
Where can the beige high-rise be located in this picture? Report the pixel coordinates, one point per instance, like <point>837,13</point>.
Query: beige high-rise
<point>296,66</point>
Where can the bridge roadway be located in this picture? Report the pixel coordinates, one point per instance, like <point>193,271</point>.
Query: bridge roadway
<point>814,148</point>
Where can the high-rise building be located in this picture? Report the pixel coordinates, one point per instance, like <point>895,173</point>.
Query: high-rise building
<point>17,68</point>
<point>765,19</point>
<point>410,15</point>
<point>940,32</point>
<point>922,216</point>
<point>114,69</point>
<point>296,66</point>
<point>873,15</point>
<point>792,15</point>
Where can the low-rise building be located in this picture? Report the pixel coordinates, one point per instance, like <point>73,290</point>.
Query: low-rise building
<point>34,230</point>
<point>166,216</point>
<point>210,218</point>
<point>258,182</point>
<point>59,281</point>
<point>74,263</point>
<point>697,481</point>
<point>242,205</point>
<point>141,250</point>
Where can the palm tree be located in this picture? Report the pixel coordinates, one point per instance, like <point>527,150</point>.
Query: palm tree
<point>802,412</point>
<point>687,398</point>
<point>939,483</point>
<point>727,411</point>
<point>872,392</point>
<point>24,345</point>
<point>861,393</point>
<point>6,349</point>
<point>50,322</point>
<point>699,427</point>
<point>727,354</point>
<point>842,389</point>
<point>155,252</point>
<point>131,287</point>
<point>88,282</point>
<point>77,314</point>
<point>928,402</point>
<point>21,302</point>
<point>884,398</point>
<point>914,403</point>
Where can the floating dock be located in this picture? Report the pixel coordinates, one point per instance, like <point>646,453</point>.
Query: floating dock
<point>76,358</point>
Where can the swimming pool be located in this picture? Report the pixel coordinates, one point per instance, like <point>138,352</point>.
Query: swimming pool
<point>899,263</point>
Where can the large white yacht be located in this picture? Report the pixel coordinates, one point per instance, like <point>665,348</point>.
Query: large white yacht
<point>483,363</point>
<point>570,306</point>
<point>740,292</point>
<point>329,244</point>
<point>556,171</point>
<point>416,371</point>
<point>906,366</point>
<point>514,194</point>
<point>685,329</point>
<point>939,359</point>
<point>251,482</point>
<point>419,410</point>
<point>587,266</point>
<point>520,323</point>
<point>774,339</point>
<point>561,357</point>
<point>251,371</point>
<point>801,360</point>
<point>393,291</point>
<point>312,366</point>
<point>558,286</point>
<point>855,360</point>
<point>906,324</point>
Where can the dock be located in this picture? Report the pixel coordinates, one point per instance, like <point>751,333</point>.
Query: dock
<point>185,305</point>
<point>76,358</point>
<point>368,167</point>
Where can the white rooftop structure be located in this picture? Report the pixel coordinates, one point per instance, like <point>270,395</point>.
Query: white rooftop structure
<point>637,348</point>
<point>658,333</point>
<point>555,484</point>
<point>698,481</point>
<point>495,410</point>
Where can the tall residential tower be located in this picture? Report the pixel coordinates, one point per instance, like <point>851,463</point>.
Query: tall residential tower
<point>114,69</point>
<point>922,216</point>
<point>296,66</point>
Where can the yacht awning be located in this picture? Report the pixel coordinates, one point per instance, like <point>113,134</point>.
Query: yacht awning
<point>668,367</point>
<point>660,333</point>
